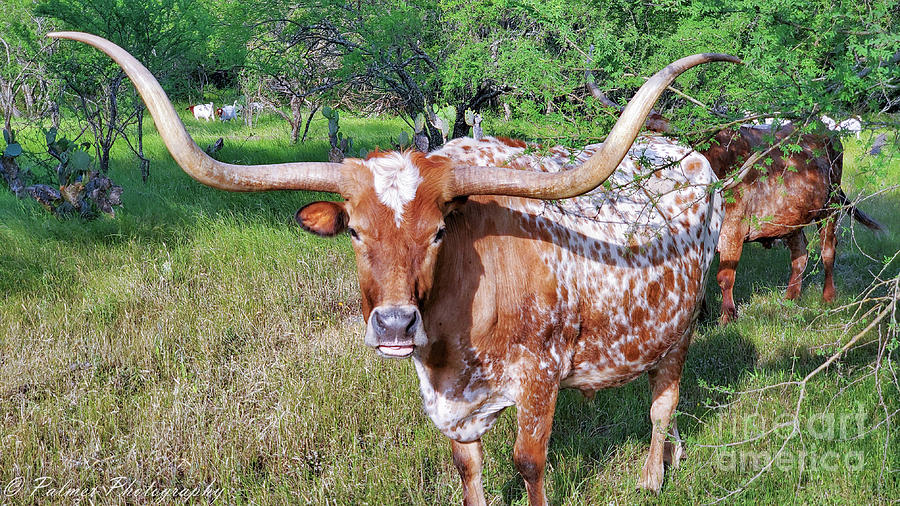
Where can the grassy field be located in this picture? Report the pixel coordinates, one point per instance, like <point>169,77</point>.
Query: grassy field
<point>199,343</point>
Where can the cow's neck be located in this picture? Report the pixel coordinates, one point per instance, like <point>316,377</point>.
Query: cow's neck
<point>460,371</point>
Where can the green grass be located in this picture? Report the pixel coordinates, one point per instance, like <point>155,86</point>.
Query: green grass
<point>199,338</point>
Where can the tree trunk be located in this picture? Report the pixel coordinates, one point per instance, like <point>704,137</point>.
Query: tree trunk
<point>296,119</point>
<point>109,136</point>
<point>54,113</point>
<point>482,97</point>
<point>309,120</point>
<point>460,127</point>
<point>6,104</point>
<point>145,163</point>
<point>29,99</point>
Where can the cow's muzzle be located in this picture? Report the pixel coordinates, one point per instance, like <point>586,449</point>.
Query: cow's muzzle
<point>395,331</point>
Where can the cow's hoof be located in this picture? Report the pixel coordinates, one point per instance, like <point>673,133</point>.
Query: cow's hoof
<point>792,293</point>
<point>651,477</point>
<point>729,313</point>
<point>727,317</point>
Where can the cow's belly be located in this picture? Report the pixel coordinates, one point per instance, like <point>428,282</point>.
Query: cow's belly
<point>589,375</point>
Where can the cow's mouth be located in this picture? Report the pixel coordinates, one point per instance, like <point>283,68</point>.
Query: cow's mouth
<point>396,351</point>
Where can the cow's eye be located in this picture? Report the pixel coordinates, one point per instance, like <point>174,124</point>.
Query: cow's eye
<point>353,234</point>
<point>439,235</point>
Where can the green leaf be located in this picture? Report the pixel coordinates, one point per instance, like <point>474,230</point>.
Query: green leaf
<point>50,135</point>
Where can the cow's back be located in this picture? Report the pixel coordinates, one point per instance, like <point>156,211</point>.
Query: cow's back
<point>776,197</point>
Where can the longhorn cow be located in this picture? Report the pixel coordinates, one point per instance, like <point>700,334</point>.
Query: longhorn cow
<point>470,263</point>
<point>795,190</point>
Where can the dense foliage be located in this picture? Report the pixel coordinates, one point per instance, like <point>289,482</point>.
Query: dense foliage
<point>521,59</point>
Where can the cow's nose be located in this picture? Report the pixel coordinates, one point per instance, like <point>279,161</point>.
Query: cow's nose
<point>395,325</point>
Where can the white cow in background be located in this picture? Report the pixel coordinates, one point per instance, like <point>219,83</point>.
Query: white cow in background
<point>852,124</point>
<point>768,120</point>
<point>203,111</point>
<point>229,112</point>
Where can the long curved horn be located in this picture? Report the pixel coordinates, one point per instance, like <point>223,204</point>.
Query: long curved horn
<point>316,176</point>
<point>571,183</point>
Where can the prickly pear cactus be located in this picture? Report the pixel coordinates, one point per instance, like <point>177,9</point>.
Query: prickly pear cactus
<point>340,145</point>
<point>13,148</point>
<point>402,141</point>
<point>419,123</point>
<point>82,192</point>
<point>473,119</point>
<point>470,117</point>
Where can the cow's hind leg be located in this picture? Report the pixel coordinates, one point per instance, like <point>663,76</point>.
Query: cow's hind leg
<point>828,238</point>
<point>796,242</point>
<point>673,450</point>
<point>664,381</point>
<point>731,243</point>
<point>468,458</point>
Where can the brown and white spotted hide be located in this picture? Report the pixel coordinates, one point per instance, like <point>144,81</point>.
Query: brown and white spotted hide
<point>500,301</point>
<point>778,200</point>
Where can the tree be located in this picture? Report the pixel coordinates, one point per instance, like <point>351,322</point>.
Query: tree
<point>23,82</point>
<point>360,53</point>
<point>166,35</point>
<point>800,57</point>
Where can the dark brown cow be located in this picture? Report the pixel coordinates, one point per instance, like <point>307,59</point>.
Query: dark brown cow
<point>796,190</point>
<point>500,292</point>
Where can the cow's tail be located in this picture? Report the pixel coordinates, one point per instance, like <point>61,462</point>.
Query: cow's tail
<point>858,215</point>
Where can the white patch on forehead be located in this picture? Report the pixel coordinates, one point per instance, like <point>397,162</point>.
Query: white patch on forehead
<point>395,180</point>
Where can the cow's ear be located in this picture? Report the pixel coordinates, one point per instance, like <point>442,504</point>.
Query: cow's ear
<point>323,218</point>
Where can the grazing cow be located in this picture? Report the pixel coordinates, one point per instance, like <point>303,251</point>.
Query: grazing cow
<point>798,189</point>
<point>852,125</point>
<point>202,111</point>
<point>228,112</point>
<point>758,119</point>
<point>471,264</point>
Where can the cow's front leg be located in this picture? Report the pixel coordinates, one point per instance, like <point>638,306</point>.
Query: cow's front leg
<point>534,415</point>
<point>468,457</point>
<point>664,382</point>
